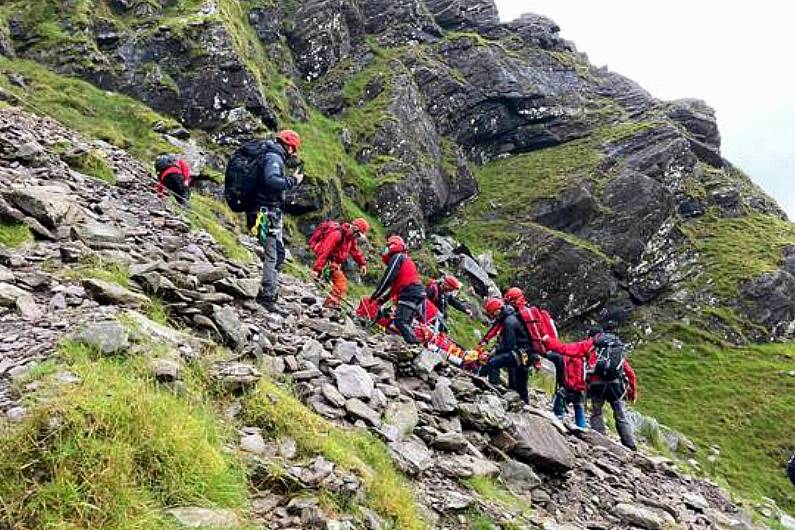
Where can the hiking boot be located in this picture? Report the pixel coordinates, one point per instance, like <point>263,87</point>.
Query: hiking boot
<point>270,305</point>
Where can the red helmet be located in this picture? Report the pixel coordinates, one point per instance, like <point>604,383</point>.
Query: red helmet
<point>289,138</point>
<point>514,296</point>
<point>395,239</point>
<point>394,244</point>
<point>361,225</point>
<point>452,283</point>
<point>492,306</point>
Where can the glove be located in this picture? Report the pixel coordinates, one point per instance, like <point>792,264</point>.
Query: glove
<point>363,270</point>
<point>299,177</point>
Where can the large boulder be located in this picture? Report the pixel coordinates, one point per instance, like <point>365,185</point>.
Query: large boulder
<point>769,299</point>
<point>540,444</point>
<point>52,206</point>
<point>106,337</point>
<point>411,456</point>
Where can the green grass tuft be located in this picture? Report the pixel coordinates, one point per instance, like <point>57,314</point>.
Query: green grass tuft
<point>14,235</point>
<point>94,266</point>
<point>495,492</point>
<point>92,163</point>
<point>277,412</point>
<point>112,452</point>
<point>221,223</point>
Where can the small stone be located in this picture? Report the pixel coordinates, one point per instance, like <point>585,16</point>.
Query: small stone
<point>254,444</point>
<point>28,308</point>
<point>165,370</point>
<point>111,293</point>
<point>644,517</point>
<point>345,351</point>
<point>58,302</point>
<point>16,414</point>
<point>194,517</point>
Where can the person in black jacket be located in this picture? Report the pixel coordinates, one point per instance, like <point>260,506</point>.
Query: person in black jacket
<point>791,469</point>
<point>513,349</point>
<point>441,293</point>
<point>272,184</point>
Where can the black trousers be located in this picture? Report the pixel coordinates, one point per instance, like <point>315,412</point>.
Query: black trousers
<point>176,184</point>
<point>410,304</point>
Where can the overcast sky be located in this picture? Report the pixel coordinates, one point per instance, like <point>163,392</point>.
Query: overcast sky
<point>738,56</point>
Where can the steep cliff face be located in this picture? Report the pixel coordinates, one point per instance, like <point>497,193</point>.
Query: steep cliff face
<point>432,116</point>
<point>599,198</point>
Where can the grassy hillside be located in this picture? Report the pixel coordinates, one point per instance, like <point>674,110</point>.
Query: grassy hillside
<point>741,398</point>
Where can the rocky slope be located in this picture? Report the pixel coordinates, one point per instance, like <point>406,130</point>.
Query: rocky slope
<point>434,117</point>
<point>474,456</point>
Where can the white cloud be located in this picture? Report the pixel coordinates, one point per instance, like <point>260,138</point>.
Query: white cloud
<point>738,56</point>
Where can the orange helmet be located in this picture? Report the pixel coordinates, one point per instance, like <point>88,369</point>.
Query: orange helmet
<point>452,283</point>
<point>514,296</point>
<point>361,225</point>
<point>492,306</point>
<point>395,239</point>
<point>289,138</point>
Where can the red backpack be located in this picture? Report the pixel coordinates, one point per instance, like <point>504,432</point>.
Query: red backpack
<point>574,373</point>
<point>539,324</point>
<point>321,232</point>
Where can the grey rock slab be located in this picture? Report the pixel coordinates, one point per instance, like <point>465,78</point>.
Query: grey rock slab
<point>354,381</point>
<point>644,516</point>
<point>442,398</point>
<point>486,413</point>
<point>9,294</point>
<point>232,329</point>
<point>320,406</point>
<point>518,476</point>
<point>149,328</point>
<point>207,272</point>
<point>235,376</point>
<point>165,370</point>
<point>28,308</point>
<point>411,456</point>
<point>402,415</point>
<point>110,293</point>
<point>540,444</point>
<point>450,442</point>
<point>195,517</point>
<point>254,444</point>
<point>98,235</point>
<point>465,466</point>
<point>107,337</point>
<point>332,395</point>
<point>246,288</point>
<point>345,350</point>
<point>52,206</point>
<point>312,351</point>
<point>358,409</point>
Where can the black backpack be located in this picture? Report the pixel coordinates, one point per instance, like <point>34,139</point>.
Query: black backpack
<point>240,184</point>
<point>163,162</point>
<point>611,354</point>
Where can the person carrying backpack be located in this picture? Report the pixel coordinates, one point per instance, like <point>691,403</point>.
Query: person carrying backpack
<point>401,284</point>
<point>173,174</point>
<point>610,378</point>
<point>513,351</point>
<point>441,293</point>
<point>332,244</point>
<point>266,218</point>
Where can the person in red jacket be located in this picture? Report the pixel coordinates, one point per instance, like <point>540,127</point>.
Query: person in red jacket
<point>333,251</point>
<point>613,391</point>
<point>401,284</point>
<point>173,174</point>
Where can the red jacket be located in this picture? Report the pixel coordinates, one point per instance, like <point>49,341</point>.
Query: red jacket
<point>585,349</point>
<point>401,272</point>
<point>182,168</point>
<point>338,245</point>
